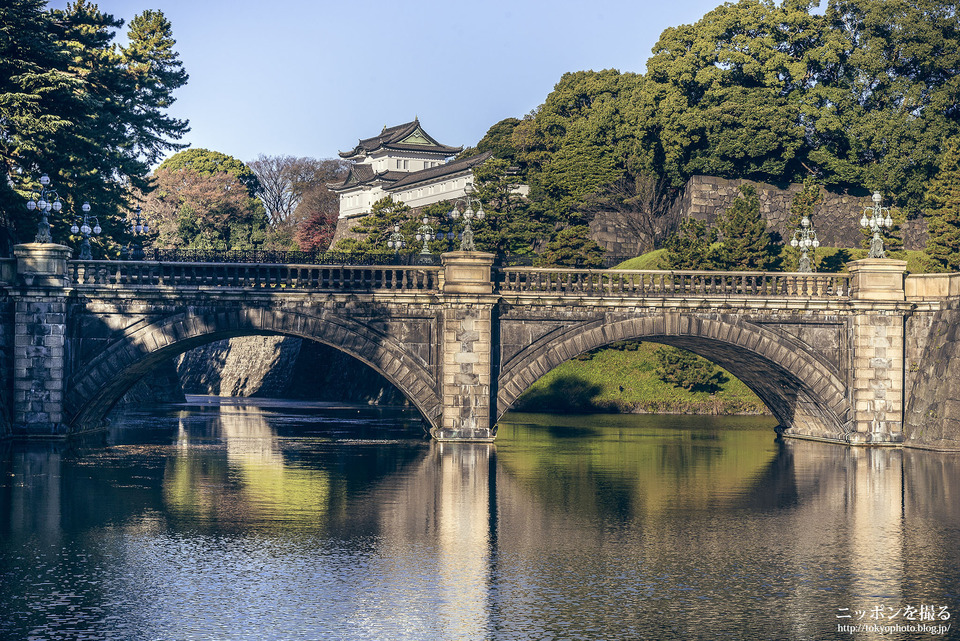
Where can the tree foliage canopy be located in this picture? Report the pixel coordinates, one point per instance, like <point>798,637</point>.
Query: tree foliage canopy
<point>90,114</point>
<point>861,95</point>
<point>202,199</point>
<point>686,369</point>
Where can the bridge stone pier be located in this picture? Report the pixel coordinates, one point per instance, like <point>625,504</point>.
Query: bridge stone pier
<point>859,358</point>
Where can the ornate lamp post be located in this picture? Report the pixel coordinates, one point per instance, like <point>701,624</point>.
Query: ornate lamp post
<point>424,234</point>
<point>396,242</point>
<point>466,240</point>
<point>805,238</point>
<point>46,200</point>
<point>85,229</point>
<point>878,219</point>
<point>138,228</point>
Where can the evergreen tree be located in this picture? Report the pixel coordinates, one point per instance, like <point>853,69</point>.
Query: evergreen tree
<point>745,244</point>
<point>374,229</point>
<point>689,246</point>
<point>207,163</point>
<point>886,94</point>
<point>508,228</point>
<point>943,211</point>
<point>685,369</point>
<point>156,72</point>
<point>720,97</point>
<point>573,247</point>
<point>575,143</point>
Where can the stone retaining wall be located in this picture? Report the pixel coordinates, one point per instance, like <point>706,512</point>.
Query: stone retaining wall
<point>836,217</point>
<point>932,419</point>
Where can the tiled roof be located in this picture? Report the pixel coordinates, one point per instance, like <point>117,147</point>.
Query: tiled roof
<point>433,173</point>
<point>392,137</point>
<point>358,175</point>
<point>400,180</point>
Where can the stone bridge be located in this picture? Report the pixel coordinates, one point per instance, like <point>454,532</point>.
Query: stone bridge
<point>863,357</point>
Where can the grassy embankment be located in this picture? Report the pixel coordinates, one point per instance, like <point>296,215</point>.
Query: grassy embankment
<point>615,380</point>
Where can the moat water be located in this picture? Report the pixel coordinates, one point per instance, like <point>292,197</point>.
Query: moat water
<point>238,519</point>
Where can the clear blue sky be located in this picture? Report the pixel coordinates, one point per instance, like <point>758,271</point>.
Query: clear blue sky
<point>311,77</point>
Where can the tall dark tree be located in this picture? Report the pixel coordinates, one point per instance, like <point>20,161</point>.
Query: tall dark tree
<point>156,72</point>
<point>78,108</point>
<point>943,211</point>
<point>720,96</point>
<point>887,93</point>
<point>576,142</point>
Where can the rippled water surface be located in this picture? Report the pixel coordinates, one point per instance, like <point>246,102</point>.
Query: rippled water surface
<point>275,520</point>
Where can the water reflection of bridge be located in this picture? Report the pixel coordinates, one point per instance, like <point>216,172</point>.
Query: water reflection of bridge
<point>477,537</point>
<point>834,356</point>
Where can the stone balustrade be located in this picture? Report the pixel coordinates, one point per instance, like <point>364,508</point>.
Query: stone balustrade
<point>257,276</point>
<point>639,283</point>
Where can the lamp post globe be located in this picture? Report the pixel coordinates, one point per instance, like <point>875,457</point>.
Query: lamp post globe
<point>468,215</point>
<point>138,228</point>
<point>805,238</point>
<point>424,235</point>
<point>44,201</point>
<point>82,225</point>
<point>875,219</point>
<point>396,242</point>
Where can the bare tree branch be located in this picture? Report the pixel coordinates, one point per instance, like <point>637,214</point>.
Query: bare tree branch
<point>642,205</point>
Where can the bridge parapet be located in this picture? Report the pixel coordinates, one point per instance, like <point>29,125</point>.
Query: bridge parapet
<point>661,283</point>
<point>257,276</point>
<point>918,287</point>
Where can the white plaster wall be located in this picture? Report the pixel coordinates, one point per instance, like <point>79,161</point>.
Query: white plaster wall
<point>422,195</point>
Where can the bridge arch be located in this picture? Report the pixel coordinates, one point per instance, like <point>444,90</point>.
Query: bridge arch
<point>100,382</point>
<point>805,392</point>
